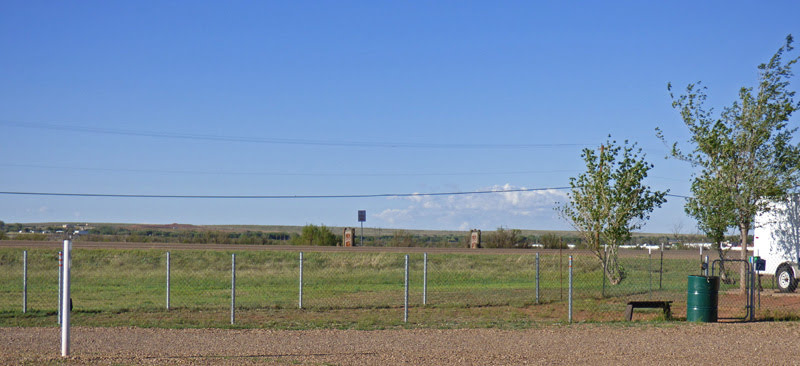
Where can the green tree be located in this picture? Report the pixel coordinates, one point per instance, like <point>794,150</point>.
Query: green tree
<point>712,207</point>
<point>745,153</point>
<point>504,238</point>
<point>609,201</point>
<point>402,238</point>
<point>315,235</point>
<point>552,241</point>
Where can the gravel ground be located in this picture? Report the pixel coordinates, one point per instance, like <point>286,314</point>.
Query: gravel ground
<point>595,344</point>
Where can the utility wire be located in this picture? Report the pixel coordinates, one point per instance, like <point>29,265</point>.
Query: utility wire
<point>677,196</point>
<point>281,141</point>
<point>223,172</point>
<point>279,196</point>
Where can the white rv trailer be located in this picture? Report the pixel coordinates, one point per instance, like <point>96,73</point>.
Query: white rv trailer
<point>776,237</point>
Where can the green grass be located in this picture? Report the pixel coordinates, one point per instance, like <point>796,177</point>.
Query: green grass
<point>341,290</point>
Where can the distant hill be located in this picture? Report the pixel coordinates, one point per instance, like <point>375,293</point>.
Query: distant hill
<point>284,234</point>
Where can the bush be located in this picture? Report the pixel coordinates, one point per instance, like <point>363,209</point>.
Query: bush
<point>315,235</point>
<point>552,241</point>
<point>402,239</point>
<point>503,238</point>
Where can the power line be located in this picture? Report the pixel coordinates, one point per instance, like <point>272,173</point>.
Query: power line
<point>677,196</point>
<point>278,196</point>
<point>223,172</point>
<point>278,141</point>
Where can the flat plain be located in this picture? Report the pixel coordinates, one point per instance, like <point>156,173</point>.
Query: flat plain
<point>480,342</point>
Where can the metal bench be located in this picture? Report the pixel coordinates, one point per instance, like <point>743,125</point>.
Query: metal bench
<point>664,305</point>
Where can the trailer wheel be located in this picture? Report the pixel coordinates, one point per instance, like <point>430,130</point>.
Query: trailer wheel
<point>785,279</point>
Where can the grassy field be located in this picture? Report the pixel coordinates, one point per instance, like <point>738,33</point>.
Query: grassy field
<point>340,290</point>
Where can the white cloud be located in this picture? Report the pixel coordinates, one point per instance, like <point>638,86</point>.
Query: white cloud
<point>524,209</point>
<point>393,215</point>
<point>40,210</point>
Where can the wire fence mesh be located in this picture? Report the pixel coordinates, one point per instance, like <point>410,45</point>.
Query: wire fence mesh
<point>361,287</point>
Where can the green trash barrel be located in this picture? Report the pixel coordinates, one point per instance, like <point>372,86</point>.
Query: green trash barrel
<point>702,299</point>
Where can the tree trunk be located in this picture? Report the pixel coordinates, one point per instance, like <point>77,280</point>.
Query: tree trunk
<point>723,274</point>
<point>743,228</point>
<point>614,273</point>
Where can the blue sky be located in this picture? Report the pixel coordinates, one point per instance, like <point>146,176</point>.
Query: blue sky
<point>353,97</point>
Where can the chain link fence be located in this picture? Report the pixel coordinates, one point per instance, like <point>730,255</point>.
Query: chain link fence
<point>331,289</point>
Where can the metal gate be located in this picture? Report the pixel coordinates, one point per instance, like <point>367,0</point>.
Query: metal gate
<point>750,289</point>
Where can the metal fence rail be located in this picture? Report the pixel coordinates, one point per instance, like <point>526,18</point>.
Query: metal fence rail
<point>361,287</point>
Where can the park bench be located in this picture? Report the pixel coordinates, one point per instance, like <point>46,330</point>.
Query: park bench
<point>665,305</point>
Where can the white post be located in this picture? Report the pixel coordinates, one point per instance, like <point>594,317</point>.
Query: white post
<point>569,314</point>
<point>167,280</point>
<point>405,311</point>
<point>233,287</point>
<point>425,280</point>
<point>300,303</point>
<point>537,277</point>
<point>65,300</point>
<point>60,283</point>
<point>24,281</point>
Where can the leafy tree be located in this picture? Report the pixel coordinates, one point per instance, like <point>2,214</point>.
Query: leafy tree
<point>503,238</point>
<point>402,238</point>
<point>712,207</point>
<point>552,241</point>
<point>315,235</point>
<point>745,153</point>
<point>609,201</point>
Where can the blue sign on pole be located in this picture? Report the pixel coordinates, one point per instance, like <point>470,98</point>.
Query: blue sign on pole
<point>362,216</point>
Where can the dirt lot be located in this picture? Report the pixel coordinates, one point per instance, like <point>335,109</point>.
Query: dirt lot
<point>668,254</point>
<point>596,344</point>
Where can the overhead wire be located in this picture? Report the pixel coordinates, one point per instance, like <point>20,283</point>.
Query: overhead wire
<point>222,172</point>
<point>281,141</point>
<point>388,195</point>
<point>189,136</point>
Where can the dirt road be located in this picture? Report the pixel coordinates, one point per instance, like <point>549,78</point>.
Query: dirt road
<point>668,254</point>
<point>595,344</point>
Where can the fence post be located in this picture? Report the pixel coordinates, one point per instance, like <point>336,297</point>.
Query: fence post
<point>707,269</point>
<point>300,302</point>
<point>24,281</point>
<point>60,283</point>
<point>560,273</point>
<point>65,301</point>
<point>167,280</point>
<point>569,313</point>
<point>650,272</point>
<point>661,268</point>
<point>752,292</point>
<point>405,306</point>
<point>537,277</point>
<point>233,287</point>
<point>425,279</point>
